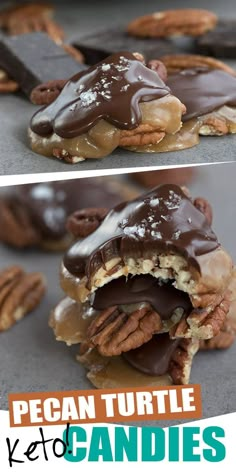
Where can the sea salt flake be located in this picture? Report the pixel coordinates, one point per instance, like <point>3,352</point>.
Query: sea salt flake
<point>156,224</point>
<point>166,217</point>
<point>135,230</point>
<point>156,234</point>
<point>87,98</point>
<point>106,67</point>
<point>176,235</point>
<point>42,192</point>
<point>154,202</point>
<point>125,88</point>
<point>189,220</point>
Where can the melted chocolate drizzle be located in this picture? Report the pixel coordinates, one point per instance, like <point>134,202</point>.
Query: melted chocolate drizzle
<point>153,357</point>
<point>163,219</point>
<point>164,298</point>
<point>49,204</point>
<point>110,90</point>
<point>203,90</point>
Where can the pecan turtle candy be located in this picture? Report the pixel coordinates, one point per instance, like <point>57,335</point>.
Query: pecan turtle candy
<point>35,215</point>
<point>208,92</point>
<point>118,102</point>
<point>151,279</point>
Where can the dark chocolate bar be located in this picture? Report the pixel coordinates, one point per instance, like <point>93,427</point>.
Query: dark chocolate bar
<point>34,58</point>
<point>97,46</point>
<point>220,42</point>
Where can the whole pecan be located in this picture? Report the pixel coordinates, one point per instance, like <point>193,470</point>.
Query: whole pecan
<point>20,293</point>
<point>177,62</point>
<point>30,17</point>
<point>204,207</point>
<point>114,332</point>
<point>46,93</point>
<point>16,227</point>
<point>161,24</point>
<point>84,222</point>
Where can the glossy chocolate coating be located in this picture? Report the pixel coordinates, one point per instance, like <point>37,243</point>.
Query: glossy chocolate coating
<point>163,219</point>
<point>50,203</point>
<point>110,90</point>
<point>202,90</point>
<point>164,298</point>
<point>153,357</point>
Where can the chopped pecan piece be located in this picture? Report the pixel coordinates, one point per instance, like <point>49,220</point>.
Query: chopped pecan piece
<point>181,362</point>
<point>159,68</point>
<point>84,222</point>
<point>20,293</point>
<point>203,323</point>
<point>224,339</point>
<point>113,332</point>
<point>204,207</point>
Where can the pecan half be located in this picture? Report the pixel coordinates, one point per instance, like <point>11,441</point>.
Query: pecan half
<point>204,207</point>
<point>20,293</point>
<point>114,332</point>
<point>179,22</point>
<point>140,136</point>
<point>177,62</point>
<point>158,67</point>
<point>203,323</point>
<point>16,227</point>
<point>46,93</point>
<point>84,222</point>
<point>224,339</point>
<point>30,17</point>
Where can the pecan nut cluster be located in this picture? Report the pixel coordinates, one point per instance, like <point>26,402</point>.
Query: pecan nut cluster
<point>20,293</point>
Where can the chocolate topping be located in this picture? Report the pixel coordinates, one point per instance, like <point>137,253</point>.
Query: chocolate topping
<point>164,219</point>
<point>50,203</point>
<point>110,90</point>
<point>153,357</point>
<point>202,90</point>
<point>164,298</point>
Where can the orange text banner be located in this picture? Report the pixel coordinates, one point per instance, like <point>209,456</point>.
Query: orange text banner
<point>102,406</point>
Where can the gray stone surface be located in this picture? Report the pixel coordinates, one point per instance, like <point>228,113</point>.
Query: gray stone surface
<point>80,18</point>
<point>31,359</point>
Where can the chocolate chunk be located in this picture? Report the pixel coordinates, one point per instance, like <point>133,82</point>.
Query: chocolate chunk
<point>95,47</point>
<point>220,42</point>
<point>203,90</point>
<point>34,58</point>
<point>110,90</point>
<point>164,298</point>
<point>153,357</point>
<point>163,219</point>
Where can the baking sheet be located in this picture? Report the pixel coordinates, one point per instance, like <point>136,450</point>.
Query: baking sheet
<point>78,19</point>
<point>31,359</point>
